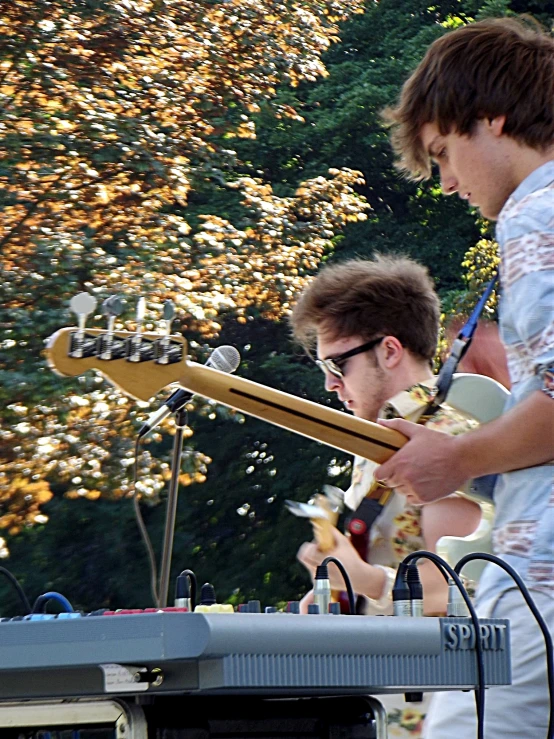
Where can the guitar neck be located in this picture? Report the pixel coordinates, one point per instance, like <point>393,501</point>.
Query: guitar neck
<point>336,429</point>
<point>144,378</point>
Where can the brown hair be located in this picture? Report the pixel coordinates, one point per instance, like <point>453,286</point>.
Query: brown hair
<point>387,295</point>
<point>483,70</point>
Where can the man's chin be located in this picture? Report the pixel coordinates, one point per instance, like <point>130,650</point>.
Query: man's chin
<point>490,212</point>
<point>488,216</point>
<point>365,416</point>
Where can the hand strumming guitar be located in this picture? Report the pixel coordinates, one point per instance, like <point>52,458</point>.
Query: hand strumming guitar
<point>365,578</point>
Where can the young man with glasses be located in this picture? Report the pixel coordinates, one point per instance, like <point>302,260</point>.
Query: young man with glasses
<point>373,325</point>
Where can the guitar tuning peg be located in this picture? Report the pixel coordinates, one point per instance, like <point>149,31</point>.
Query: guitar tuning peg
<point>169,310</point>
<point>163,345</point>
<point>82,305</point>
<point>335,496</point>
<point>139,349</point>
<point>141,310</point>
<point>168,315</point>
<point>113,306</point>
<point>109,346</point>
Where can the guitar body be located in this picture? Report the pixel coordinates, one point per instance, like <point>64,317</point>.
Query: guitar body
<point>484,399</point>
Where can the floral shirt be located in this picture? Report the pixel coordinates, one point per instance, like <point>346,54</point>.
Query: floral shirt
<point>397,532</point>
<point>524,520</point>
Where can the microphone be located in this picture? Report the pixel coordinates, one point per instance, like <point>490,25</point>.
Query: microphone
<point>224,358</point>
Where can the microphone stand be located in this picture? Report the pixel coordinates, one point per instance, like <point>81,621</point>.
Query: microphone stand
<point>171,513</point>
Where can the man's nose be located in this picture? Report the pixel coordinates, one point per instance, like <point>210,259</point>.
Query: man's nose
<point>332,382</point>
<point>449,184</point>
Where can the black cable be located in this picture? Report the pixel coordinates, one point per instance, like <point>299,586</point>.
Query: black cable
<point>144,532</point>
<point>185,587</point>
<point>480,691</point>
<point>349,590</point>
<point>536,613</point>
<point>21,593</point>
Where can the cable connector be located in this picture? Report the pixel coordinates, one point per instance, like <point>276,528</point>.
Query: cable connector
<point>182,592</point>
<point>207,595</point>
<point>185,590</point>
<point>401,603</point>
<point>208,601</point>
<point>456,605</point>
<point>416,589</point>
<point>322,588</point>
<point>344,573</point>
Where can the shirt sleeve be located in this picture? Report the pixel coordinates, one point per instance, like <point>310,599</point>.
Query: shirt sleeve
<point>548,387</point>
<point>528,284</point>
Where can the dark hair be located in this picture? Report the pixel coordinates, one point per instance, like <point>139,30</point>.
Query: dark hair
<point>387,295</point>
<point>497,67</point>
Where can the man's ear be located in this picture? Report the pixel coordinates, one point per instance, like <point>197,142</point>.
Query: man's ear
<point>496,125</point>
<point>391,352</point>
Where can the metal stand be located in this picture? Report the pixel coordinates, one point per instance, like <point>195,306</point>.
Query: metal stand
<point>171,513</point>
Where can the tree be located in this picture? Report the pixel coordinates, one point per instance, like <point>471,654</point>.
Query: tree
<point>111,114</point>
<point>343,126</point>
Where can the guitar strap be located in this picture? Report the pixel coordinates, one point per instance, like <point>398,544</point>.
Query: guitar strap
<point>418,404</point>
<point>459,348</point>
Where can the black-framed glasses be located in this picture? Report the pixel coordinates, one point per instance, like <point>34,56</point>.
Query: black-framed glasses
<point>335,366</point>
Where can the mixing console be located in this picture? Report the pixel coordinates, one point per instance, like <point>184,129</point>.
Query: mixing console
<point>264,653</point>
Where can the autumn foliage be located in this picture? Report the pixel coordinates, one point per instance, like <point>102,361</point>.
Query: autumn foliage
<point>112,114</point>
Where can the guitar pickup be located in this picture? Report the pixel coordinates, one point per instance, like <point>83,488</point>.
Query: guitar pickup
<point>143,350</point>
<point>109,346</point>
<point>82,345</point>
<point>168,351</point>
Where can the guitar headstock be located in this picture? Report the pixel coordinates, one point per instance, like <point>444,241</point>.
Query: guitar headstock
<point>119,355</point>
<point>139,372</point>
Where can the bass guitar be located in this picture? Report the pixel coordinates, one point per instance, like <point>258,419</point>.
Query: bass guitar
<point>163,361</point>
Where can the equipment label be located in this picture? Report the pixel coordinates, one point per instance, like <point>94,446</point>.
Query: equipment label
<point>123,679</point>
<point>462,636</point>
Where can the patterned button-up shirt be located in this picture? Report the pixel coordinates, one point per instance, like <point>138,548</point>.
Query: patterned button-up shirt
<point>397,531</point>
<point>524,521</point>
